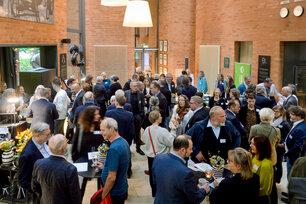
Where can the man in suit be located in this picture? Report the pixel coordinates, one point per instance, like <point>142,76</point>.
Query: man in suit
<point>179,85</point>
<point>126,106</point>
<point>36,148</point>
<point>166,170</point>
<point>100,95</point>
<point>289,101</point>
<point>70,82</point>
<point>78,100</point>
<point>54,178</point>
<point>199,111</point>
<point>212,136</point>
<point>88,100</point>
<point>269,88</point>
<point>243,87</point>
<point>233,109</point>
<point>163,104</point>
<point>134,78</point>
<point>262,101</point>
<point>164,90</point>
<point>136,99</point>
<point>43,111</point>
<point>125,122</point>
<point>171,87</point>
<point>296,137</point>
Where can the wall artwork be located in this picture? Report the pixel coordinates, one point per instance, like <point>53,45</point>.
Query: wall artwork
<point>40,11</point>
<point>226,62</point>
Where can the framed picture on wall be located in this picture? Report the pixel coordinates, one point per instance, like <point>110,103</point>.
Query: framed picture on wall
<point>161,45</point>
<point>226,62</point>
<point>165,46</point>
<point>165,59</point>
<point>160,58</point>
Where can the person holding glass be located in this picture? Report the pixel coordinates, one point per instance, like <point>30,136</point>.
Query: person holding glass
<point>280,122</point>
<point>158,140</point>
<point>181,115</point>
<point>243,187</point>
<point>88,136</point>
<point>262,165</point>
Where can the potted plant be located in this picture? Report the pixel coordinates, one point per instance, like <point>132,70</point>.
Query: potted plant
<point>8,153</point>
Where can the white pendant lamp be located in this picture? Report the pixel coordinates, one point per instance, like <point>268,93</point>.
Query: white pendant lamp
<point>137,14</point>
<point>114,2</point>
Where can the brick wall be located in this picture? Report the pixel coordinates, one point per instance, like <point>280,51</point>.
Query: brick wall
<point>103,26</point>
<point>177,25</point>
<point>224,22</point>
<point>15,31</point>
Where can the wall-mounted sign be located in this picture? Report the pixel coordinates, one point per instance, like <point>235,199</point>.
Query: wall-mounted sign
<point>264,66</point>
<point>241,70</point>
<point>226,62</point>
<point>63,65</point>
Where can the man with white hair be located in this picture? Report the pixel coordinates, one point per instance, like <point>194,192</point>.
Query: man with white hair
<point>261,100</point>
<point>100,95</point>
<point>114,173</point>
<point>290,99</point>
<point>36,148</point>
<point>88,100</point>
<point>212,136</point>
<point>54,178</point>
<point>127,106</point>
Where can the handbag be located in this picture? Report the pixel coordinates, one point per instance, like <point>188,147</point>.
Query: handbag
<point>97,197</point>
<point>152,142</point>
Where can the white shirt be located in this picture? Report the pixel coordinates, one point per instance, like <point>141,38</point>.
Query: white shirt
<point>215,130</point>
<point>61,101</point>
<point>192,77</point>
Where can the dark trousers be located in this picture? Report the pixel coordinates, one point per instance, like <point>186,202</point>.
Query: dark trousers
<point>150,163</point>
<point>279,167</point>
<point>119,199</point>
<point>137,127</point>
<point>264,199</point>
<point>59,126</point>
<point>273,195</point>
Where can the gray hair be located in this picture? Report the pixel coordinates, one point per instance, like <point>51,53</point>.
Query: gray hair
<point>266,114</point>
<point>113,98</point>
<point>37,90</point>
<point>88,96</point>
<point>248,77</point>
<point>110,122</point>
<point>119,92</point>
<point>99,79</point>
<point>288,88</point>
<point>197,100</point>
<point>8,92</point>
<point>56,144</point>
<point>39,128</point>
<point>213,111</point>
<point>156,76</point>
<point>43,92</point>
<point>154,101</point>
<point>260,89</point>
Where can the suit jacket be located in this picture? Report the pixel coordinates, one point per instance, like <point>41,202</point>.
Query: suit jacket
<point>127,107</point>
<point>167,94</point>
<point>125,123</point>
<point>172,87</point>
<point>100,92</point>
<point>294,142</point>
<point>290,101</point>
<point>140,97</point>
<point>235,190</point>
<point>78,101</point>
<point>190,91</point>
<point>28,157</point>
<point>199,115</point>
<point>56,180</point>
<point>163,106</point>
<point>263,102</point>
<point>80,109</point>
<point>113,88</point>
<point>175,183</point>
<point>238,125</point>
<point>43,111</point>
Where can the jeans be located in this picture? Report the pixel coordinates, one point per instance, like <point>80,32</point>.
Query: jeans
<point>289,167</point>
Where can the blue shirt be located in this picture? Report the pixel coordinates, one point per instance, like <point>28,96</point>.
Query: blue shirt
<point>43,149</point>
<point>106,83</point>
<point>202,84</point>
<point>118,159</point>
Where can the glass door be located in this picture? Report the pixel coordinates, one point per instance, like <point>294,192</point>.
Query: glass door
<point>300,82</point>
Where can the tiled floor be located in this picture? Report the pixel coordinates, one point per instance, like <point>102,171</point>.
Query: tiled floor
<point>139,187</point>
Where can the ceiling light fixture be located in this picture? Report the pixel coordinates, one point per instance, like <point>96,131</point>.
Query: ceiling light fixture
<point>137,14</point>
<point>114,2</point>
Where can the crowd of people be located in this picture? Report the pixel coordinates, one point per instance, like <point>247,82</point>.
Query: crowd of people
<point>252,127</point>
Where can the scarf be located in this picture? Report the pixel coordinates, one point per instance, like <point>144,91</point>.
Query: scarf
<point>276,122</point>
<point>181,113</point>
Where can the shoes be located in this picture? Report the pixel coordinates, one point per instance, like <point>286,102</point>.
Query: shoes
<point>139,151</point>
<point>141,142</point>
<point>147,172</point>
<point>285,200</point>
<point>285,194</point>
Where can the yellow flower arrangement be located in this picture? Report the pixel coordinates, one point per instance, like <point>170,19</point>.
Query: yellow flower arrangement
<point>23,138</point>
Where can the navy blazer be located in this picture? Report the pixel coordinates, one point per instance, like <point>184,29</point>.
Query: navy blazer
<point>43,111</point>
<point>190,91</point>
<point>172,87</point>
<point>198,116</point>
<point>125,123</point>
<point>238,125</point>
<point>175,183</point>
<point>127,107</point>
<point>56,180</point>
<point>28,157</point>
<point>167,94</point>
<point>263,102</point>
<point>294,142</point>
<point>79,110</point>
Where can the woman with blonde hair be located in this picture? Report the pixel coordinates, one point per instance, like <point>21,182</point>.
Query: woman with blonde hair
<point>243,187</point>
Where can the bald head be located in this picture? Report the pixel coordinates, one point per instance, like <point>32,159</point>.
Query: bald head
<point>58,144</point>
<point>88,96</point>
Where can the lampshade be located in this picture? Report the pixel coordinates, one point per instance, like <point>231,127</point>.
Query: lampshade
<point>137,14</point>
<point>114,2</point>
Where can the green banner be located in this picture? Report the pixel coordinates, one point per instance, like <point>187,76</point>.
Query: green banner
<point>241,70</point>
